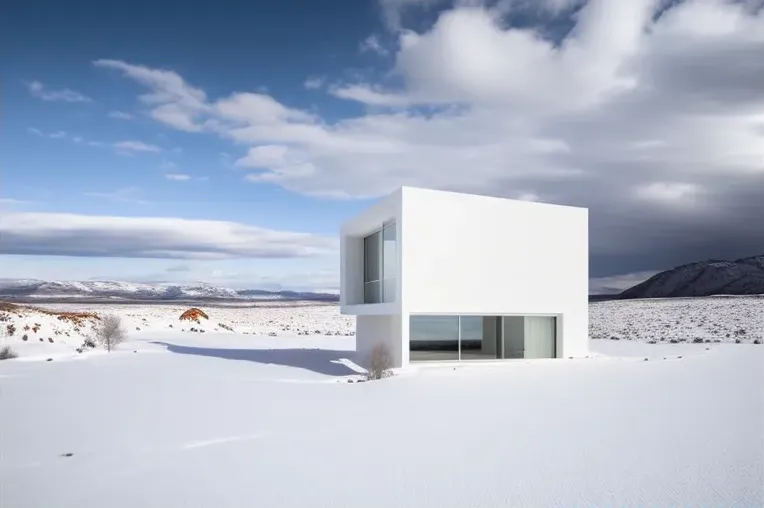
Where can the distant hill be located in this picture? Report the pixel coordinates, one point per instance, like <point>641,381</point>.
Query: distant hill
<point>706,278</point>
<point>39,289</point>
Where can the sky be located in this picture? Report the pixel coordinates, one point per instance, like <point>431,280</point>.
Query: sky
<point>226,142</point>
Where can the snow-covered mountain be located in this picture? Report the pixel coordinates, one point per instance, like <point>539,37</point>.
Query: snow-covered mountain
<point>32,288</point>
<point>714,277</point>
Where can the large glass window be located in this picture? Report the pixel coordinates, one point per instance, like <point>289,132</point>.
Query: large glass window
<point>480,337</point>
<point>433,338</point>
<point>380,265</point>
<point>449,338</point>
<point>372,268</point>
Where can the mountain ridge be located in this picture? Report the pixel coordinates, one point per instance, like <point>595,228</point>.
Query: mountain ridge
<point>744,276</point>
<point>110,289</point>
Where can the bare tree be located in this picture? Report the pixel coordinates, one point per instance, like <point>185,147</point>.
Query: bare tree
<point>380,362</point>
<point>109,332</point>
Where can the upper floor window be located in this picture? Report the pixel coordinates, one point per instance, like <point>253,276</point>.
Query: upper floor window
<point>380,256</point>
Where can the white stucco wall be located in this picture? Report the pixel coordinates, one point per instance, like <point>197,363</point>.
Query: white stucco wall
<point>467,254</point>
<point>372,330</point>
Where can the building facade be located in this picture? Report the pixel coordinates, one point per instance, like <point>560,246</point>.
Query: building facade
<point>444,276</point>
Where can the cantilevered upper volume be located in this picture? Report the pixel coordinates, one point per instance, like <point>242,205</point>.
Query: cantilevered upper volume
<point>444,276</point>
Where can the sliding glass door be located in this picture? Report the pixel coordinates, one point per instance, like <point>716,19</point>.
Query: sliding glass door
<point>540,337</point>
<point>450,338</point>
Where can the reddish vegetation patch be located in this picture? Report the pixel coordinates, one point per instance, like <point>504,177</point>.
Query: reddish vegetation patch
<point>77,318</point>
<point>9,307</point>
<point>193,314</point>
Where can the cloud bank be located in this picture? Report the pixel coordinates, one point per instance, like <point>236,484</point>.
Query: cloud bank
<point>151,237</point>
<point>650,113</point>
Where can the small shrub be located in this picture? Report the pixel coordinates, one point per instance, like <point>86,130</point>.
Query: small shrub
<point>6,353</point>
<point>737,341</point>
<point>25,337</point>
<point>380,362</point>
<point>697,341</point>
<point>89,343</point>
<point>756,341</point>
<point>10,329</point>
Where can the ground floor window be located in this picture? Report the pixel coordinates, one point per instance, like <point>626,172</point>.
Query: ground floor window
<point>450,338</point>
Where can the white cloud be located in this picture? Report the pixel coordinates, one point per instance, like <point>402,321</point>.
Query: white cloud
<point>151,237</point>
<point>265,156</point>
<point>174,102</point>
<point>120,115</point>
<point>177,177</point>
<point>669,192</point>
<point>374,45</point>
<point>639,92</point>
<point>369,95</point>
<point>132,147</point>
<point>58,135</point>
<point>37,89</point>
<point>314,82</point>
<point>35,131</point>
<point>393,10</point>
<point>14,202</point>
<point>124,195</point>
<point>527,196</point>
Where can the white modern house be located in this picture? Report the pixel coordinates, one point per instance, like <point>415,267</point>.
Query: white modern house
<point>443,276</point>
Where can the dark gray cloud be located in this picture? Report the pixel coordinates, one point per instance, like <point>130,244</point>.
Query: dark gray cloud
<point>104,236</point>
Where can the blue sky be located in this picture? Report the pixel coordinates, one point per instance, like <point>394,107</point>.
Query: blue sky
<point>124,124</point>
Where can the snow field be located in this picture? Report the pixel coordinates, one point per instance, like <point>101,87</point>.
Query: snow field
<point>60,338</point>
<point>225,420</point>
<point>712,319</point>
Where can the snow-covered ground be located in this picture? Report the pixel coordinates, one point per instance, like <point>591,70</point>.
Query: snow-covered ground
<point>711,319</point>
<point>185,419</point>
<point>48,335</point>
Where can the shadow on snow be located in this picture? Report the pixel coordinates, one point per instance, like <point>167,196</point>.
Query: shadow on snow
<point>322,361</point>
